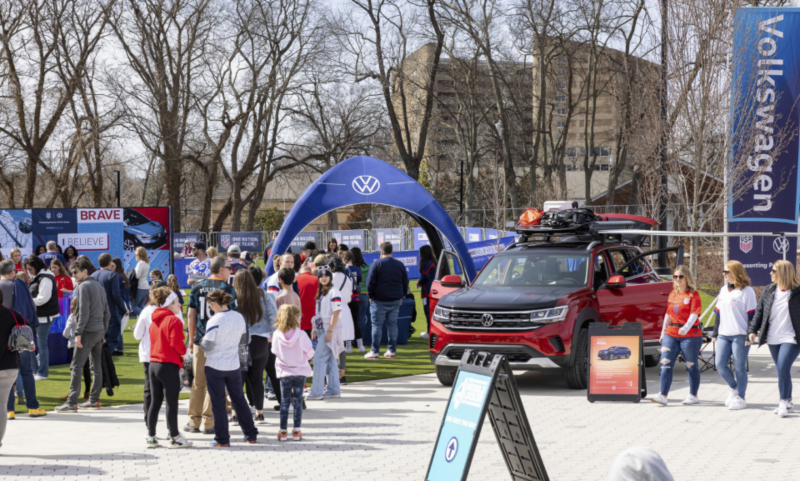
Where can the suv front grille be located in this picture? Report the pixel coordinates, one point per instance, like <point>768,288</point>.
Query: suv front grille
<point>501,321</point>
<point>457,354</point>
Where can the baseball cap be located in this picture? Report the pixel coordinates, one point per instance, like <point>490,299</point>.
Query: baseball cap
<point>200,245</point>
<point>234,249</point>
<point>247,257</point>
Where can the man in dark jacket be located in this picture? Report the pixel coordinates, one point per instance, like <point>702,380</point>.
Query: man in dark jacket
<point>92,320</point>
<point>387,285</point>
<point>44,290</point>
<point>110,282</point>
<point>16,296</point>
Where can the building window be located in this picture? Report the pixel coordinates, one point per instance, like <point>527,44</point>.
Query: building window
<point>562,72</point>
<point>560,124</point>
<point>561,111</point>
<point>562,60</point>
<point>600,166</point>
<point>601,152</point>
<point>562,85</point>
<point>561,97</point>
<point>570,152</point>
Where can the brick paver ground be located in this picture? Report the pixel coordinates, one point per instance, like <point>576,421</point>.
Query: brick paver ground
<point>385,430</point>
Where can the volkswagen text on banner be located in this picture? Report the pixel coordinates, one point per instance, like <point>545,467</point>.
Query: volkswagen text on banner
<point>763,172</point>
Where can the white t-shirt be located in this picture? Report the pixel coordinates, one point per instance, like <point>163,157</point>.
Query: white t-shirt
<point>734,307</point>
<point>344,285</point>
<point>781,330</point>
<point>326,306</point>
<point>273,286</point>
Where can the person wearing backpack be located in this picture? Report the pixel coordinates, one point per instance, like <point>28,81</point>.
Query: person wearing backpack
<point>15,295</point>
<point>9,359</point>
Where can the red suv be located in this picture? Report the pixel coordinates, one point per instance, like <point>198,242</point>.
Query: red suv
<point>534,301</point>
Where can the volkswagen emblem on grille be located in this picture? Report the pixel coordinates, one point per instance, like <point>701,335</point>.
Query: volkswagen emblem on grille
<point>487,320</point>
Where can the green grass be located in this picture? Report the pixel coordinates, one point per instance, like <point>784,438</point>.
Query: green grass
<point>412,359</point>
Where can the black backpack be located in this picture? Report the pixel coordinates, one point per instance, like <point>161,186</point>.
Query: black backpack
<point>134,282</point>
<point>569,218</point>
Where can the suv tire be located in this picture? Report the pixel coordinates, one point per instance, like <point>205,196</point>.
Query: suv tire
<point>652,360</point>
<point>576,375</point>
<point>446,375</point>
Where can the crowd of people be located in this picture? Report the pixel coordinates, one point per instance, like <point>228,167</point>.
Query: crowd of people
<point>740,322</point>
<point>241,328</point>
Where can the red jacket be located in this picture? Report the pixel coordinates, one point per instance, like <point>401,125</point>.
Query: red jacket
<point>307,284</point>
<point>166,337</point>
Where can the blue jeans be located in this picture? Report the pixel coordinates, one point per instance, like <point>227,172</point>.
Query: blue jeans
<point>784,356</point>
<point>727,345</point>
<point>384,312</point>
<point>324,363</point>
<point>42,366</point>
<point>670,348</point>
<point>292,388</point>
<point>138,301</point>
<point>114,331</point>
<point>25,382</point>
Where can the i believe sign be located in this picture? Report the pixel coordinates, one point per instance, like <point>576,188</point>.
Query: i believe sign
<point>763,175</point>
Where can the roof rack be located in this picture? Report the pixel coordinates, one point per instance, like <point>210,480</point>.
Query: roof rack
<point>591,232</point>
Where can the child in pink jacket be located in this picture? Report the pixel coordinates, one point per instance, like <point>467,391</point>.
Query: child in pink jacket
<point>292,349</point>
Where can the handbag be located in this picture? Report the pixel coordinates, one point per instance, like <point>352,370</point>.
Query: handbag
<point>21,337</point>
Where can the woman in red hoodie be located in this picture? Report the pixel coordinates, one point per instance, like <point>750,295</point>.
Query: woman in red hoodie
<point>167,350</point>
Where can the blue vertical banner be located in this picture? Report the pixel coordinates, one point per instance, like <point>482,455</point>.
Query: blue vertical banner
<point>763,173</point>
<point>351,238</point>
<point>395,236</point>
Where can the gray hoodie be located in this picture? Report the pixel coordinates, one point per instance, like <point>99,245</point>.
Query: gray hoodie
<point>93,314</point>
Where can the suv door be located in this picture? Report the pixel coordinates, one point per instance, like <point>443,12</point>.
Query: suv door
<point>449,263</point>
<point>643,299</point>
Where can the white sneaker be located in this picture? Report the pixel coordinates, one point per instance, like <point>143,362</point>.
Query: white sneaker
<point>372,355</point>
<point>737,404</point>
<point>179,443</point>
<point>660,399</point>
<point>348,347</point>
<point>731,397</point>
<point>424,335</point>
<point>789,408</point>
<point>783,409</point>
<point>360,343</point>
<point>37,377</point>
<point>690,400</point>
<point>389,354</point>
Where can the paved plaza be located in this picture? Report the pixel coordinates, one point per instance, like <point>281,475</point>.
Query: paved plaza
<point>385,430</point>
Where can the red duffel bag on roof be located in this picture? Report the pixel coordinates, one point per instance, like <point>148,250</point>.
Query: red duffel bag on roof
<point>531,217</point>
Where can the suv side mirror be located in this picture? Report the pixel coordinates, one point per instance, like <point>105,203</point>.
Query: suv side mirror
<point>615,282</point>
<point>452,280</point>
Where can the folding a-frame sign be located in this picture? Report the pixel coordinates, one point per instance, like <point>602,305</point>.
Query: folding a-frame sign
<point>485,384</point>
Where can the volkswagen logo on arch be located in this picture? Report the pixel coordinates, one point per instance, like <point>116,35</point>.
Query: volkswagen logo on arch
<point>487,320</point>
<point>366,184</point>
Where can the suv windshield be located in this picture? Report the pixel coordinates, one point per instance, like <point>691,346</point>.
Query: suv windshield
<point>535,269</point>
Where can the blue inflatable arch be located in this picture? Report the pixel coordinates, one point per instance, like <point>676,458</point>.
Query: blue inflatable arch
<point>367,180</point>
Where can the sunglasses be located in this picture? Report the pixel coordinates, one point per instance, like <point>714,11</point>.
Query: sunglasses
<point>679,277</point>
<point>726,272</point>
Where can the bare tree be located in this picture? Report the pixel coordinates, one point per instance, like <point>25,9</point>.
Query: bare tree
<point>44,49</point>
<point>375,37</point>
<point>163,42</point>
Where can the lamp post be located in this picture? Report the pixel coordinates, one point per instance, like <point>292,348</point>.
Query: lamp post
<point>118,189</point>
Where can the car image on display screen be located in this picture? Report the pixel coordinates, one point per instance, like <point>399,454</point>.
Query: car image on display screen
<point>614,352</point>
<point>141,231</point>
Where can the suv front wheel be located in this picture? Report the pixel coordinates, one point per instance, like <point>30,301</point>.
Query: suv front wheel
<point>576,375</point>
<point>446,375</point>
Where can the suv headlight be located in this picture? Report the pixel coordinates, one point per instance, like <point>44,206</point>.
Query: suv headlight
<point>549,316</point>
<point>441,314</point>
